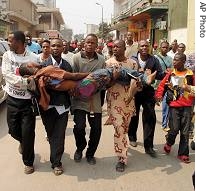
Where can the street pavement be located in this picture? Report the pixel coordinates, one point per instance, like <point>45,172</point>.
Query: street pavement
<point>143,173</point>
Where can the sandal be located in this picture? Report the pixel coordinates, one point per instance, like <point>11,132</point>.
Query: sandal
<point>120,167</point>
<point>184,158</point>
<point>58,170</point>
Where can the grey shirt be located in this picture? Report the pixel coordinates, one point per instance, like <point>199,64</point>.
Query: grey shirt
<point>83,64</point>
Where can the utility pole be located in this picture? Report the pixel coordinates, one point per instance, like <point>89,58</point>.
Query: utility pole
<point>102,20</point>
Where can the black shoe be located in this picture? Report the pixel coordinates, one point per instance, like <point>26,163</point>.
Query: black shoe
<point>151,152</point>
<point>120,167</point>
<point>133,143</point>
<point>20,149</point>
<point>91,160</point>
<point>77,156</point>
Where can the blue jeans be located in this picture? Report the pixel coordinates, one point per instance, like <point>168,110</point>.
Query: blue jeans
<point>165,112</point>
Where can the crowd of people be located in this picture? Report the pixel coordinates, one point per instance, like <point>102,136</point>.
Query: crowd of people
<point>131,73</point>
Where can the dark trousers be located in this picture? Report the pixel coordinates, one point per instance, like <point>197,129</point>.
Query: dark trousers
<point>79,131</point>
<point>55,126</point>
<point>148,119</point>
<point>21,123</point>
<point>179,121</point>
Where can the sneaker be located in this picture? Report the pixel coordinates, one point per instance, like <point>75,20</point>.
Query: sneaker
<point>20,149</point>
<point>58,170</point>
<point>184,158</point>
<point>133,143</point>
<point>120,167</point>
<point>167,148</point>
<point>77,156</point>
<point>91,160</point>
<point>151,152</point>
<point>28,169</point>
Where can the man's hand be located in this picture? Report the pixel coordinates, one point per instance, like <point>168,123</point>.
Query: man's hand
<point>150,76</point>
<point>31,84</point>
<point>46,80</point>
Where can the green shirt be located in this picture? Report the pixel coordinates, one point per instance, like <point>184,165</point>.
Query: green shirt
<point>83,64</point>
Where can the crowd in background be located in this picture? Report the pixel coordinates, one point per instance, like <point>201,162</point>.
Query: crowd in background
<point>173,86</point>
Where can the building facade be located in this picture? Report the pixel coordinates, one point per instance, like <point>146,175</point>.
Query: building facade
<point>50,19</point>
<point>30,15</point>
<point>91,28</point>
<point>156,20</point>
<point>146,19</point>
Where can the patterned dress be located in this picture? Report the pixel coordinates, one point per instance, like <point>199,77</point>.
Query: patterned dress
<point>119,112</point>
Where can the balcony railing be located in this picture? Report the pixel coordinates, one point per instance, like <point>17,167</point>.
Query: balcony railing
<point>133,7</point>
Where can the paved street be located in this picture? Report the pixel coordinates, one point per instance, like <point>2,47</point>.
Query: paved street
<point>165,173</point>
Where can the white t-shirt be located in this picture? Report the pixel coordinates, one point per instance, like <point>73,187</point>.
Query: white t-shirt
<point>68,57</point>
<point>16,85</point>
<point>131,49</point>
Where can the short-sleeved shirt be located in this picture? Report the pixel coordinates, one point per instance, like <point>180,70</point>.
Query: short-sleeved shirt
<point>118,93</point>
<point>165,61</point>
<point>131,49</point>
<point>34,47</point>
<point>82,64</point>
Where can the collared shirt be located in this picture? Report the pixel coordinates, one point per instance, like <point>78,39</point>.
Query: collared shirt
<point>83,64</point>
<point>131,49</point>
<point>60,109</point>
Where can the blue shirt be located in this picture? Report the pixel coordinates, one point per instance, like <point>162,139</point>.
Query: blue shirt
<point>165,62</point>
<point>34,47</point>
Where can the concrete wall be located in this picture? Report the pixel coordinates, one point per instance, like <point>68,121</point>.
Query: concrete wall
<point>177,14</point>
<point>179,34</point>
<point>191,27</point>
<point>177,20</point>
<point>24,8</point>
